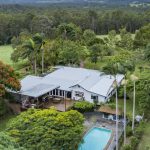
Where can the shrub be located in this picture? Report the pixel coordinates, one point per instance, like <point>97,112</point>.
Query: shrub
<point>127,147</point>
<point>129,131</point>
<point>83,106</point>
<point>134,142</point>
<point>139,132</point>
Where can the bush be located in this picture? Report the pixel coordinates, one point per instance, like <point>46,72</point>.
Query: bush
<point>47,129</point>
<point>83,106</point>
<point>3,107</point>
<point>134,142</point>
<point>139,130</point>
<point>127,147</point>
<point>129,131</point>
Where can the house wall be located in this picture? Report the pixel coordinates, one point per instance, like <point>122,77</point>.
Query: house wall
<point>86,95</point>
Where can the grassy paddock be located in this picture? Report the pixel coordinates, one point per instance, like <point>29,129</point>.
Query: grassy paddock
<point>5,54</point>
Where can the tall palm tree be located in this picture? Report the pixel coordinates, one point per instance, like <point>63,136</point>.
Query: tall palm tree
<point>124,83</point>
<point>134,79</point>
<point>39,43</point>
<point>113,69</point>
<point>29,51</point>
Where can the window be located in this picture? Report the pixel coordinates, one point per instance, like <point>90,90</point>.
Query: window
<point>95,99</point>
<point>79,94</point>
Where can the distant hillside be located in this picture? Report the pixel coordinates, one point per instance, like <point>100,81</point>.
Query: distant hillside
<point>71,1</point>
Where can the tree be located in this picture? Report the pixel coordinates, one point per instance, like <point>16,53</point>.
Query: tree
<point>39,43</point>
<point>69,31</point>
<point>8,79</point>
<point>42,24</point>
<point>120,66</point>
<point>88,36</point>
<point>47,129</point>
<point>134,79</point>
<point>124,83</point>
<point>126,40</point>
<point>72,53</point>
<point>96,51</point>
<point>113,68</point>
<point>142,37</point>
<point>28,50</point>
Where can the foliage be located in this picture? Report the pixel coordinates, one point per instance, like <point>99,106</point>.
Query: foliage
<point>71,52</point>
<point>69,31</point>
<point>147,52</point>
<point>47,129</point>
<point>134,142</point>
<point>129,131</point>
<point>142,37</point>
<point>126,40</point>
<point>8,143</point>
<point>83,106</point>
<point>3,107</point>
<point>8,79</point>
<point>126,147</point>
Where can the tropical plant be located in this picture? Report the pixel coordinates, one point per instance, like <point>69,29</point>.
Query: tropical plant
<point>134,79</point>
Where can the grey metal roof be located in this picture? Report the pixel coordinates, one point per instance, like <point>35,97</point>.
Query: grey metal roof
<point>66,78</point>
<point>38,90</point>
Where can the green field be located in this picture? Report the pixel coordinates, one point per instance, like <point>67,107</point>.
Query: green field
<point>5,57</point>
<point>5,54</point>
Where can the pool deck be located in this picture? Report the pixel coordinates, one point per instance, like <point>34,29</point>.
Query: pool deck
<point>96,120</point>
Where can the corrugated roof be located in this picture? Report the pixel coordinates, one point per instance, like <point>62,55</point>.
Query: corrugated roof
<point>67,77</point>
<point>38,90</point>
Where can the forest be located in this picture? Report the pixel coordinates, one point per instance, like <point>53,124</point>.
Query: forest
<point>112,40</point>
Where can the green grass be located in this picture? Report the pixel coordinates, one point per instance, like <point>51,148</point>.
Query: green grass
<point>5,57</point>
<point>5,121</point>
<point>5,54</point>
<point>145,141</point>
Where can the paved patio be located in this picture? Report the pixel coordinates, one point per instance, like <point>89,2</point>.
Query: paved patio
<point>95,120</point>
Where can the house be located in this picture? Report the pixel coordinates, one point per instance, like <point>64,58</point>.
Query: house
<point>71,83</point>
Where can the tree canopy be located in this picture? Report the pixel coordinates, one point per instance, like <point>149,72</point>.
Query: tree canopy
<point>47,129</point>
<point>8,79</point>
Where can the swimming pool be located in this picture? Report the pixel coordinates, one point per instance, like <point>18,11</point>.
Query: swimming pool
<point>95,139</point>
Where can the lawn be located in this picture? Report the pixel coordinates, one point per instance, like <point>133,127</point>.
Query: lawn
<point>145,141</point>
<point>5,54</point>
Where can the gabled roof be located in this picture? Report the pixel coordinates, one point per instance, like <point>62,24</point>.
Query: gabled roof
<point>29,82</point>
<point>66,78</point>
<point>38,90</point>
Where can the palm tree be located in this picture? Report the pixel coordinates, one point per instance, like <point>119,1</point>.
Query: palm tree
<point>29,51</point>
<point>39,41</point>
<point>113,68</point>
<point>134,79</point>
<point>124,83</point>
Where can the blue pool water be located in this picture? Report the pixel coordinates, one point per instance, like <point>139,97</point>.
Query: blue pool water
<point>95,139</point>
